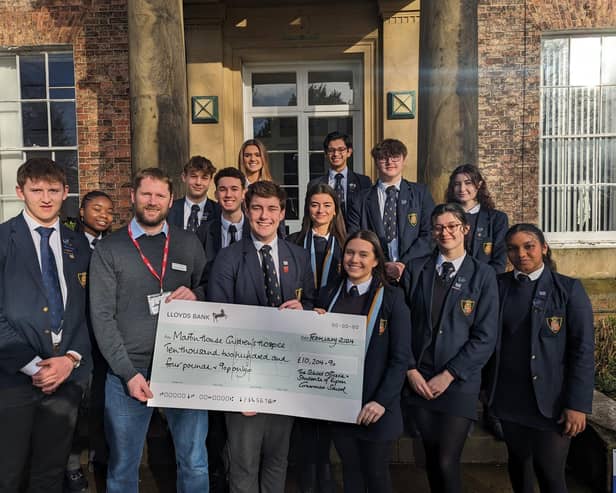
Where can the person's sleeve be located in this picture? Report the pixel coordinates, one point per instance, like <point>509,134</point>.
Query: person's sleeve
<point>221,280</point>
<point>476,351</point>
<point>399,326</point>
<point>423,243</point>
<point>15,351</point>
<point>103,291</point>
<point>198,281</point>
<point>579,355</point>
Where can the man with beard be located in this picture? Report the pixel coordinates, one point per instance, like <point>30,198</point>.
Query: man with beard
<point>133,270</point>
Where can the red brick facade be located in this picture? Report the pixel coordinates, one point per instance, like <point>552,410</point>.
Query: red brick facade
<point>98,35</point>
<point>509,76</point>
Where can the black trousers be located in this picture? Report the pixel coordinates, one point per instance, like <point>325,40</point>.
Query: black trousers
<point>37,432</point>
<point>534,452</point>
<point>365,464</point>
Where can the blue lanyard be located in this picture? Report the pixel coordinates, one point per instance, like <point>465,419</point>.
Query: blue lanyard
<point>375,308</point>
<point>327,261</point>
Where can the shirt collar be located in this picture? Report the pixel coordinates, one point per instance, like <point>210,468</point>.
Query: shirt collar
<point>344,172</point>
<point>33,223</point>
<point>361,288</point>
<point>258,244</point>
<point>474,210</point>
<point>384,187</point>
<point>189,203</point>
<point>456,263</point>
<point>533,275</point>
<point>137,230</point>
<point>225,223</point>
<point>326,235</point>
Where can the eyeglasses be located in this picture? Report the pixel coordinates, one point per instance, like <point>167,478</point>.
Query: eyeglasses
<point>450,228</point>
<point>339,150</point>
<point>394,159</point>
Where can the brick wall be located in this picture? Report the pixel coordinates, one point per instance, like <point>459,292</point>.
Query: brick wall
<point>98,34</point>
<point>509,56</point>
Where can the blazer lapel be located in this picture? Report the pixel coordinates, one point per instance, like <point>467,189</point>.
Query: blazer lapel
<point>352,184</point>
<point>376,219</point>
<point>426,287</point>
<point>26,251</point>
<point>481,229</point>
<point>543,292</point>
<point>287,271</point>
<point>460,281</point>
<point>251,262</point>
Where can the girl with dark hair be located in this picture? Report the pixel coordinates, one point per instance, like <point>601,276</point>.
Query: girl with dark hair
<point>95,216</point>
<point>454,320</point>
<point>543,372</point>
<point>487,226</point>
<point>365,447</point>
<point>323,233</point>
<point>253,161</point>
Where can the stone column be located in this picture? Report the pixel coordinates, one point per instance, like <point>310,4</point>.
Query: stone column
<point>447,90</point>
<point>157,70</point>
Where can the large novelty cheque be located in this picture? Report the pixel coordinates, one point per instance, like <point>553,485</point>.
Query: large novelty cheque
<point>249,358</point>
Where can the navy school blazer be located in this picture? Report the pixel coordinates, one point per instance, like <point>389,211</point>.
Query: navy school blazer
<point>24,320</point>
<point>237,276</point>
<point>385,363</point>
<point>415,205</point>
<point>356,184</point>
<point>489,241</point>
<point>562,344</point>
<point>176,213</point>
<point>469,326</point>
<point>333,278</point>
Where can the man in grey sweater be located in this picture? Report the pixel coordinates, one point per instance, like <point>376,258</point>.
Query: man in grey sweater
<point>132,271</point>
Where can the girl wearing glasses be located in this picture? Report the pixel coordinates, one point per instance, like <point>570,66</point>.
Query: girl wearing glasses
<point>253,161</point>
<point>365,447</point>
<point>544,364</point>
<point>487,226</point>
<point>322,235</point>
<point>454,320</point>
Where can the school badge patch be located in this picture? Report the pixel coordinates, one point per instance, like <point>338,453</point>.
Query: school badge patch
<point>298,294</point>
<point>412,217</point>
<point>467,306</point>
<point>83,278</point>
<point>487,248</point>
<point>382,326</point>
<point>554,324</point>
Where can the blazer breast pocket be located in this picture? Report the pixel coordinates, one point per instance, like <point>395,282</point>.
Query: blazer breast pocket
<point>552,325</point>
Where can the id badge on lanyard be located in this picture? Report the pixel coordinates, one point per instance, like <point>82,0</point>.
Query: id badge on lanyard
<point>154,300</point>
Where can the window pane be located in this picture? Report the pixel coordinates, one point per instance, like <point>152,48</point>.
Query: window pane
<point>608,113</point>
<point>284,168</point>
<point>68,160</point>
<point>583,110</point>
<point>332,87</point>
<point>275,89</point>
<point>585,65</point>
<point>63,125</point>
<point>555,54</point>
<point>8,78</point>
<point>276,133</point>
<point>9,162</point>
<point>32,76</point>
<point>10,126</point>
<point>62,93</point>
<point>61,71</point>
<point>35,128</point>
<point>318,128</point>
<point>608,66</point>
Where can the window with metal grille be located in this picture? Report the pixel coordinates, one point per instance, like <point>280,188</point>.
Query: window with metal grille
<point>37,119</point>
<point>577,181</point>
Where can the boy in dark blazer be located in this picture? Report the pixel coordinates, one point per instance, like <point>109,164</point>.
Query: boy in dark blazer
<point>262,270</point>
<point>195,208</point>
<point>397,210</point>
<point>44,344</point>
<point>347,184</point>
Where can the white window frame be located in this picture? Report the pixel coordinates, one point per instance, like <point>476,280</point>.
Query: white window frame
<point>45,51</point>
<point>303,111</point>
<point>572,239</point>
